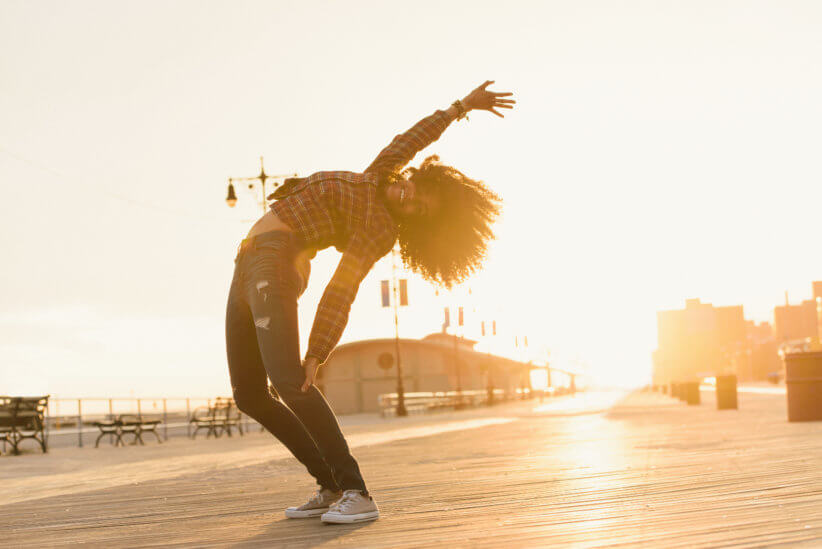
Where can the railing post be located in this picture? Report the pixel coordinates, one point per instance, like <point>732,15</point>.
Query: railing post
<point>188,417</point>
<point>46,418</point>
<point>165,420</point>
<point>139,411</point>
<point>110,409</point>
<point>80,422</point>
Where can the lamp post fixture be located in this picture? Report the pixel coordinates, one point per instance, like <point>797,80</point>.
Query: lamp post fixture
<point>401,410</point>
<point>231,198</point>
<point>459,404</point>
<point>489,373</point>
<point>458,337</point>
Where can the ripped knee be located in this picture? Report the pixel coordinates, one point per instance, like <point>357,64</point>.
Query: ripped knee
<point>262,322</point>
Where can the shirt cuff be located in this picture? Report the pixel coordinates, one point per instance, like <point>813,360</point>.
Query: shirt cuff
<point>316,355</point>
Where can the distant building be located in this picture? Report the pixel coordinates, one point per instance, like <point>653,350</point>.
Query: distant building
<point>703,340</point>
<point>799,327</point>
<point>795,322</point>
<point>698,340</point>
<point>759,359</point>
<point>357,372</point>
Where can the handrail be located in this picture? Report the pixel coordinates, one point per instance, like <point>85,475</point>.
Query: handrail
<point>76,413</point>
<point>424,401</point>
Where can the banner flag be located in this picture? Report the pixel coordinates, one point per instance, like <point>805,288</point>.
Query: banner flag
<point>460,316</point>
<point>386,293</point>
<point>447,322</point>
<point>403,291</point>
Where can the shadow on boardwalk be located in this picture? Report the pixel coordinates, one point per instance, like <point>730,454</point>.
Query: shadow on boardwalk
<point>647,471</point>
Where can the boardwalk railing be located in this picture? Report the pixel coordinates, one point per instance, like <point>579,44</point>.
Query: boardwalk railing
<point>76,417</point>
<point>421,402</point>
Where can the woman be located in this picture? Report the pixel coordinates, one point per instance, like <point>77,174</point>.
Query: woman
<point>442,220</point>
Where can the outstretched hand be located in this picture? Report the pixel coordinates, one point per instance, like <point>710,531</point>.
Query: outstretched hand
<point>484,100</point>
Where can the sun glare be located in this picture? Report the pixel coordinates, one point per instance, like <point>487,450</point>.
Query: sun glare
<point>539,379</point>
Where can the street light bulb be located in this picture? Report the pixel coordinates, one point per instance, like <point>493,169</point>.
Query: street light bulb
<point>231,199</point>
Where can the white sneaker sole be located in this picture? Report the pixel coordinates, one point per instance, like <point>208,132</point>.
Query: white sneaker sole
<point>294,513</point>
<point>337,518</point>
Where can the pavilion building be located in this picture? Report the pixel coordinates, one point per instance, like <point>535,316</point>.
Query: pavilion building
<point>358,372</point>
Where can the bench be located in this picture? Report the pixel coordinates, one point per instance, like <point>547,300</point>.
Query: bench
<point>127,424</point>
<point>218,418</point>
<point>23,418</point>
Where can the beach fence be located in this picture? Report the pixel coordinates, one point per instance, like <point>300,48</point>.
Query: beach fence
<point>72,421</point>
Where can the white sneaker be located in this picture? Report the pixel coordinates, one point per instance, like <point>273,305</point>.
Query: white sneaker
<point>352,507</point>
<point>316,506</point>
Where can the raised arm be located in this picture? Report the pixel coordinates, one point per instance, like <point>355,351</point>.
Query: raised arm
<point>406,145</point>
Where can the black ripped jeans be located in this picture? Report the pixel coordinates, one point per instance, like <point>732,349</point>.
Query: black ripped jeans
<point>263,344</point>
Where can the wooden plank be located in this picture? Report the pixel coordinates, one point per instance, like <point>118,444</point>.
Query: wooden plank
<point>651,471</point>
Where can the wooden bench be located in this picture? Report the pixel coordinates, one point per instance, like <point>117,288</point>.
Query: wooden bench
<point>23,418</point>
<point>218,418</point>
<point>127,424</point>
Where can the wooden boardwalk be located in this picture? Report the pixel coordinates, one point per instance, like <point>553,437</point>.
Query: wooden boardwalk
<point>650,471</point>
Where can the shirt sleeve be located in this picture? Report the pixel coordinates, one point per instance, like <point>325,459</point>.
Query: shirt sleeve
<point>335,304</point>
<point>406,145</point>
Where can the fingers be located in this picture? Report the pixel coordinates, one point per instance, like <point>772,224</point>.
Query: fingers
<point>501,104</point>
<point>491,101</point>
<point>309,379</point>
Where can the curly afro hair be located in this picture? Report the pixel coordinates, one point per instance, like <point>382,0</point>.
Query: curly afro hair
<point>450,245</point>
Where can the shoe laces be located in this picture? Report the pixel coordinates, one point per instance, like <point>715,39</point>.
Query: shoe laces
<point>348,497</point>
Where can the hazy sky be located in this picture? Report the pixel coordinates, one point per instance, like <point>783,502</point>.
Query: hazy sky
<point>659,151</point>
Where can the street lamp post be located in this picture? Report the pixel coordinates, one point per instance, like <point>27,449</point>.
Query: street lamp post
<point>231,198</point>
<point>401,410</point>
<point>489,386</point>
<point>459,404</point>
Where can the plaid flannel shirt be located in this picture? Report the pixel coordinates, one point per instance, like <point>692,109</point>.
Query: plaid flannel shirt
<point>346,210</point>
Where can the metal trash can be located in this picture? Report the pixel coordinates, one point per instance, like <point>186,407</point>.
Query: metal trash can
<point>680,391</point>
<point>803,378</point>
<point>726,393</point>
<point>690,392</point>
